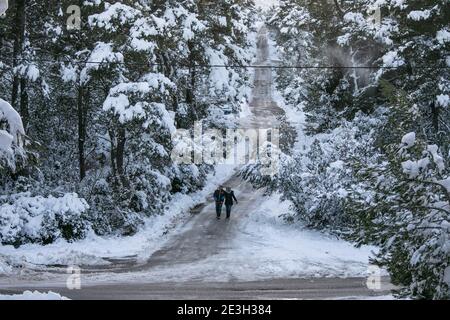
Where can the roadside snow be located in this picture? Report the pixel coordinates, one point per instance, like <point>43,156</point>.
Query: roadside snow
<point>28,216</point>
<point>94,249</point>
<point>35,295</point>
<point>385,297</point>
<point>265,247</point>
<point>268,247</point>
<point>4,267</point>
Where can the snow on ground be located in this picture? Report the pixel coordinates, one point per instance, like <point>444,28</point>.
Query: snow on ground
<point>93,249</point>
<point>385,297</point>
<point>35,295</point>
<point>265,247</point>
<point>275,247</point>
<point>4,267</point>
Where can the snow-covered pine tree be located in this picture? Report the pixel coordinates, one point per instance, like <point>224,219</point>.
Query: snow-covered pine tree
<point>405,90</point>
<point>154,59</point>
<point>217,46</point>
<point>402,203</point>
<point>335,39</point>
<point>406,211</point>
<point>417,37</point>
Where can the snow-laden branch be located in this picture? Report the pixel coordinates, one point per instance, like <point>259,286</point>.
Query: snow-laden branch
<point>12,117</point>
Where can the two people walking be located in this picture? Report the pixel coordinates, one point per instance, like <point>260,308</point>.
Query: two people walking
<point>222,196</point>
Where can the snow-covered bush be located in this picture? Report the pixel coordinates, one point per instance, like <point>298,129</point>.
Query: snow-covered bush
<point>37,219</point>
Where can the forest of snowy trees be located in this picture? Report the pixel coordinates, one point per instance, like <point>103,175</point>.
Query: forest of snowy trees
<point>377,167</point>
<point>89,105</point>
<point>100,95</point>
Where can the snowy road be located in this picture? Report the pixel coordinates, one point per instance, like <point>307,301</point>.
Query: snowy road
<point>321,288</point>
<point>255,255</point>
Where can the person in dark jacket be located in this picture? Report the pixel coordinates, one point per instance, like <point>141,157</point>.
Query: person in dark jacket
<point>219,197</point>
<point>229,197</point>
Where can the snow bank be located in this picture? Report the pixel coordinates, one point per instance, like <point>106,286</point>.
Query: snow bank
<point>265,247</point>
<point>93,250</point>
<point>274,247</point>
<point>5,268</point>
<point>34,295</point>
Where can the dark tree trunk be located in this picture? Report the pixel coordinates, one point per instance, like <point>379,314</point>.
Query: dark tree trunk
<point>339,9</point>
<point>438,135</point>
<point>190,87</point>
<point>19,34</point>
<point>120,155</point>
<point>81,132</point>
<point>190,99</point>
<point>435,118</point>
<point>112,138</point>
<point>24,111</point>
<point>118,139</point>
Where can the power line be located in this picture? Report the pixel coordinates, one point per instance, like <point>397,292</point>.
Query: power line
<point>318,67</point>
<point>231,66</point>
